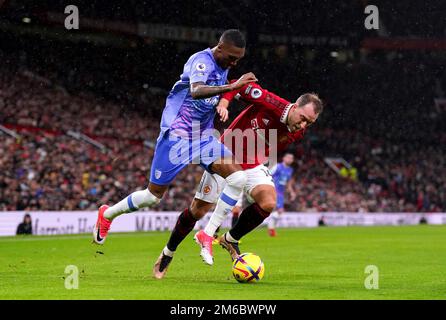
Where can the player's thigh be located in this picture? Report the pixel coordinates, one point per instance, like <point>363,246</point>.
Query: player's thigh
<point>215,157</point>
<point>170,157</point>
<point>260,187</point>
<point>210,188</point>
<point>225,167</point>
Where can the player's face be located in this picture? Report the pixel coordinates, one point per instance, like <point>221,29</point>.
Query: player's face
<point>301,117</point>
<point>288,159</point>
<point>229,55</point>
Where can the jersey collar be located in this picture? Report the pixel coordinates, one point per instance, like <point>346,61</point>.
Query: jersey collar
<point>284,116</point>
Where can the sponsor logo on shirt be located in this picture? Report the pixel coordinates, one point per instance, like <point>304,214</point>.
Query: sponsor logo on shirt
<point>212,100</point>
<point>254,124</point>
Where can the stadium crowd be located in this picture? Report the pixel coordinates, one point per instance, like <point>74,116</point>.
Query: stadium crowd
<point>397,154</point>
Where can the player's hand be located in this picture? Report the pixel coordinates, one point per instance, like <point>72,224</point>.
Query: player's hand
<point>222,109</point>
<point>223,113</point>
<point>244,79</point>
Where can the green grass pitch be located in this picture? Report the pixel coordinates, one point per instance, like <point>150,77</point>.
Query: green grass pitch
<point>318,263</point>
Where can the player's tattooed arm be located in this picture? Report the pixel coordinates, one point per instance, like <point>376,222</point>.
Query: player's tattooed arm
<point>199,90</point>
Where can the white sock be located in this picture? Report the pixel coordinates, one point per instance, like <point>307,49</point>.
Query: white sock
<point>135,201</point>
<point>228,199</point>
<point>230,238</point>
<point>167,252</point>
<point>273,220</point>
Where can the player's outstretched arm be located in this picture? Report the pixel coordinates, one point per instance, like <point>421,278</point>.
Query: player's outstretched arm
<point>199,90</point>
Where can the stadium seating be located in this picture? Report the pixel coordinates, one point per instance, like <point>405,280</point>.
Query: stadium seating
<point>398,154</point>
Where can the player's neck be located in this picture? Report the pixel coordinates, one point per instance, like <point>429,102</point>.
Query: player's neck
<point>214,50</point>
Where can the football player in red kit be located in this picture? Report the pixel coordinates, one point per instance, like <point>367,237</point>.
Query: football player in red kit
<point>266,127</point>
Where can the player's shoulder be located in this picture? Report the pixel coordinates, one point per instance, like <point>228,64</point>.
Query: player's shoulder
<point>203,57</point>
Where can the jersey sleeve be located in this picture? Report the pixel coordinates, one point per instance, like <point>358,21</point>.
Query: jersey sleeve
<point>201,68</point>
<point>254,93</point>
<point>243,93</point>
<point>230,94</point>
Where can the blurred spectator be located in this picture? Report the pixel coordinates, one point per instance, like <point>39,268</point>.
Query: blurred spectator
<point>26,226</point>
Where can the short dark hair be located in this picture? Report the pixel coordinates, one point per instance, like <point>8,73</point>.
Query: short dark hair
<point>311,98</point>
<point>235,37</point>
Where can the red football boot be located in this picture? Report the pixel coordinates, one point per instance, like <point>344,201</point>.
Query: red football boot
<point>101,227</point>
<point>205,242</point>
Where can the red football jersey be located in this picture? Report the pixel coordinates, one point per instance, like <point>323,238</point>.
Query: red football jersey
<point>266,112</point>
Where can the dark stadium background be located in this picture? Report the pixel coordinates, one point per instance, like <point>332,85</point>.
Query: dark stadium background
<point>384,92</point>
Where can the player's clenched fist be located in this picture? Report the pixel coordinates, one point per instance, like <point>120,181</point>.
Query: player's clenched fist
<point>244,79</point>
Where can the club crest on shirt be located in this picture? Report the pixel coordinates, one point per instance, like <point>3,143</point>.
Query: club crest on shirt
<point>201,67</point>
<point>207,189</point>
<point>157,174</point>
<point>265,121</point>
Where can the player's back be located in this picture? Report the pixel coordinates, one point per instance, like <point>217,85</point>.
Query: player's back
<point>182,112</point>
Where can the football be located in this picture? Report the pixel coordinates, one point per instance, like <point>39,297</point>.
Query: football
<point>248,267</point>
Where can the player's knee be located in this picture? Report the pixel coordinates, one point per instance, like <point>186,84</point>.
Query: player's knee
<point>237,179</point>
<point>198,213</point>
<point>156,191</point>
<point>268,205</point>
<point>150,199</point>
<point>199,209</point>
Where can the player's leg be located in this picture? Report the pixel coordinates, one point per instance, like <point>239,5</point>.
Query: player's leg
<point>207,194</point>
<point>236,212</point>
<point>133,202</point>
<point>185,224</point>
<point>250,218</point>
<point>137,200</point>
<point>161,175</point>
<point>275,215</point>
<point>235,179</point>
<point>262,194</point>
<point>221,162</point>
